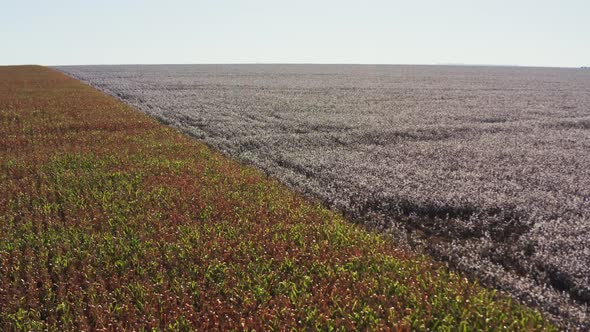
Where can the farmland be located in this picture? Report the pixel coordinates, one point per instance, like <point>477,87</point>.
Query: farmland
<point>484,168</point>
<point>111,221</point>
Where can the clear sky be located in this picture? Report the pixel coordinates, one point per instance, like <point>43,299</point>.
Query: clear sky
<point>500,32</point>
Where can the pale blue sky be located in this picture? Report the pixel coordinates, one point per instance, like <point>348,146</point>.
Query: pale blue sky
<point>517,32</point>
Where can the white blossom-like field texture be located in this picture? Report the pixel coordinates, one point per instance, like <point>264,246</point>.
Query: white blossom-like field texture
<point>484,168</point>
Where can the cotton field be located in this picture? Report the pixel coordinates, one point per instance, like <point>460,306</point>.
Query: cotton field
<point>486,168</point>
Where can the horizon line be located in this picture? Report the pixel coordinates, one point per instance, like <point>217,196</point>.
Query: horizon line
<point>443,64</point>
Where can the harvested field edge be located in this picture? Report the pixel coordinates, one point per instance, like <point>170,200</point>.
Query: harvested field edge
<point>113,221</point>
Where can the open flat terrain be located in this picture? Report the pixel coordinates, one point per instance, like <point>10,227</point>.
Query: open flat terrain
<point>485,168</point>
<point>111,221</point>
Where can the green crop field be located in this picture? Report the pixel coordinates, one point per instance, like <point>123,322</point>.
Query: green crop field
<point>111,221</point>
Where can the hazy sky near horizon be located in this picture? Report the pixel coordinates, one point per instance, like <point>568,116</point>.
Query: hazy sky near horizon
<point>500,32</point>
